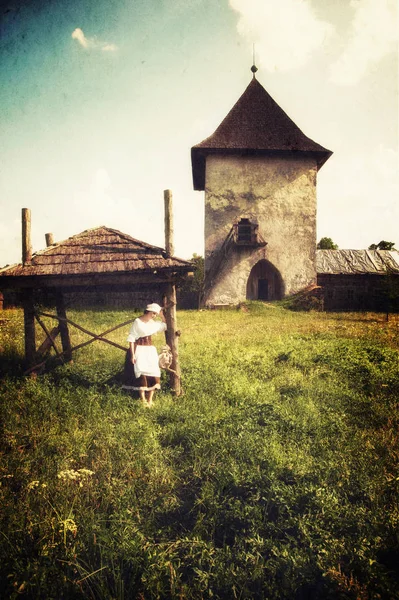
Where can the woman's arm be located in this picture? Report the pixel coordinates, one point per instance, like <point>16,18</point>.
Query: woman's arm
<point>132,355</point>
<point>161,326</point>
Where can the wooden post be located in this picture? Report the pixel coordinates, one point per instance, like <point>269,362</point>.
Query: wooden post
<point>29,327</point>
<point>61,312</point>
<point>172,339</point>
<point>27,300</point>
<point>26,241</point>
<point>49,239</point>
<point>168,200</point>
<point>170,300</point>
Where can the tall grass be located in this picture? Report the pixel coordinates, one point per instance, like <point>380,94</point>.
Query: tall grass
<point>275,475</point>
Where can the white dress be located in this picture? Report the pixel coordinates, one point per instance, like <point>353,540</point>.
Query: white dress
<point>146,356</point>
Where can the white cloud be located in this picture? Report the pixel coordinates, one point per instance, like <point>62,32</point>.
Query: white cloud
<point>374,34</point>
<point>109,48</point>
<point>78,35</point>
<point>285,32</point>
<point>92,43</point>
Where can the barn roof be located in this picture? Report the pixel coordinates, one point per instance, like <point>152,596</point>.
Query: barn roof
<point>255,123</point>
<point>354,262</point>
<point>96,251</point>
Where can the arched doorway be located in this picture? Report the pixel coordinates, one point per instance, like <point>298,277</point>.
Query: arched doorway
<point>264,282</point>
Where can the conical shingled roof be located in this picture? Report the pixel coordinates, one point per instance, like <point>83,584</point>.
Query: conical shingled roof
<point>255,124</point>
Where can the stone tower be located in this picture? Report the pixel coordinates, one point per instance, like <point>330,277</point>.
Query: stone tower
<point>259,173</point>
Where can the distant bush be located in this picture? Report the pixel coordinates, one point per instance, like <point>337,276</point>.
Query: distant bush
<point>190,292</point>
<point>311,298</point>
<point>383,245</point>
<point>326,243</point>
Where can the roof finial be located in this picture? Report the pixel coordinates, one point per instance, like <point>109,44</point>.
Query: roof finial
<point>254,68</point>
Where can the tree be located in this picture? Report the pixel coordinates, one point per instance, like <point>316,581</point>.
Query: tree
<point>382,245</point>
<point>198,277</point>
<point>326,243</point>
<point>191,290</point>
<point>390,291</point>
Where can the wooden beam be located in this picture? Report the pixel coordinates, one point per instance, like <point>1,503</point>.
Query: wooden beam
<point>172,338</point>
<point>61,313</point>
<point>93,335</point>
<point>169,242</point>
<point>26,237</point>
<point>49,340</point>
<point>49,239</point>
<point>94,338</point>
<point>29,327</point>
<point>47,344</point>
<point>68,282</point>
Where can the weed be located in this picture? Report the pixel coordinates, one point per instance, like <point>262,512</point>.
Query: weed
<point>274,476</point>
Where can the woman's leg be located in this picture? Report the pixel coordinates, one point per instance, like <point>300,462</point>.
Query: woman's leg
<point>150,395</point>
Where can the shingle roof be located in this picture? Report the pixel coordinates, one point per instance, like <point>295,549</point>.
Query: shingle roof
<point>354,262</point>
<point>255,123</point>
<point>99,250</point>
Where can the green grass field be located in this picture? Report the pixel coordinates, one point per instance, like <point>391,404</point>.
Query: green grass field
<point>274,476</point>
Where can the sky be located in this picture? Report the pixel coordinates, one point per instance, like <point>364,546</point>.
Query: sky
<point>102,100</point>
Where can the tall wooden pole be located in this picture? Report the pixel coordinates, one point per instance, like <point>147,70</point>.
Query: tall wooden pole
<point>26,240</point>
<point>168,200</point>
<point>172,339</point>
<point>27,299</point>
<point>170,312</point>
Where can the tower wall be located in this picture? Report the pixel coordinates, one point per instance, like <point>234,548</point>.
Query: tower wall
<point>280,195</point>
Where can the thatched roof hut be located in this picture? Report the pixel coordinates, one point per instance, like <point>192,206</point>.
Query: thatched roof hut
<point>101,257</point>
<point>101,260</point>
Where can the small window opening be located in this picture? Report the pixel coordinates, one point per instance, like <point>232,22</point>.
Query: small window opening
<point>246,232</point>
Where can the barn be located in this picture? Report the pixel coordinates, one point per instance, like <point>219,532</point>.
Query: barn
<point>366,280</point>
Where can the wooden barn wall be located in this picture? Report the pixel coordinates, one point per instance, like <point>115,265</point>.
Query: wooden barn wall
<point>114,299</point>
<point>360,292</point>
<point>133,300</point>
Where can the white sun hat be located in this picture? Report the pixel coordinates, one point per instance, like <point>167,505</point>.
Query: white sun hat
<point>154,307</point>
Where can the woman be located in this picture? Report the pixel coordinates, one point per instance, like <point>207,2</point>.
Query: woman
<point>142,372</point>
